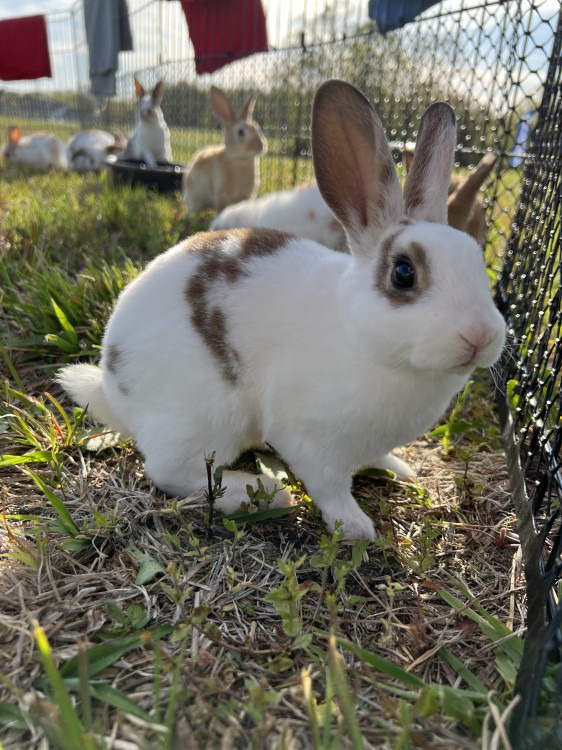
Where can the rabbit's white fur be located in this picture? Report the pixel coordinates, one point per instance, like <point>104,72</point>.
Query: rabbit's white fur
<point>150,141</point>
<point>232,339</point>
<point>41,150</point>
<point>302,211</point>
<point>88,150</point>
<point>222,175</point>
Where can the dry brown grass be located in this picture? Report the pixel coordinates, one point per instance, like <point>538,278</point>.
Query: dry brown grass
<point>225,669</point>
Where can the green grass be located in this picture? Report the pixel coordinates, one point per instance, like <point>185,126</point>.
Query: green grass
<point>125,613</point>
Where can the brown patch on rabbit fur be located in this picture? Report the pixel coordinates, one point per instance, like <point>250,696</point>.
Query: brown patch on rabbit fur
<point>112,359</point>
<point>253,241</point>
<point>261,241</point>
<point>216,267</point>
<point>208,319</point>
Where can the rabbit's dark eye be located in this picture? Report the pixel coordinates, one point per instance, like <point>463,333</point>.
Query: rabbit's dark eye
<point>241,132</point>
<point>403,274</point>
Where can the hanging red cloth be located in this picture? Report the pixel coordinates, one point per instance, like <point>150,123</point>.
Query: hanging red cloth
<point>24,50</point>
<point>224,30</point>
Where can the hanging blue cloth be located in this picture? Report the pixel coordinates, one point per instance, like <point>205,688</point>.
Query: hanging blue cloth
<point>107,32</point>
<point>392,14</point>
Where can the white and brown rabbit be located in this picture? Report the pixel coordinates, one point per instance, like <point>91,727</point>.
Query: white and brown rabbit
<point>235,338</point>
<point>40,150</point>
<point>228,173</point>
<point>150,141</point>
<point>87,151</point>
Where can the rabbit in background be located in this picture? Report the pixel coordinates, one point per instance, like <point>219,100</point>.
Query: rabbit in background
<point>150,141</point>
<point>301,210</point>
<point>88,150</point>
<point>229,173</point>
<point>465,207</point>
<point>40,150</point>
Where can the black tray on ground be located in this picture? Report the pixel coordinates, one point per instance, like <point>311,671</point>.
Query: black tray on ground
<point>165,177</point>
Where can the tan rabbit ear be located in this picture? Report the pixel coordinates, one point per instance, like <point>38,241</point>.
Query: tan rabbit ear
<point>352,161</point>
<point>138,87</point>
<point>14,134</point>
<point>467,188</point>
<point>247,108</point>
<point>221,105</point>
<point>120,140</point>
<point>427,183</point>
<point>158,93</point>
<point>408,157</point>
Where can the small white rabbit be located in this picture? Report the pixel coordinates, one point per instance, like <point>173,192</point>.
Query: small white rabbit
<point>150,141</point>
<point>88,150</point>
<point>41,150</point>
<point>302,211</point>
<point>229,173</point>
<point>232,339</point>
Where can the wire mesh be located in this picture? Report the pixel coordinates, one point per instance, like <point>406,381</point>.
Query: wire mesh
<point>498,64</point>
<point>529,291</point>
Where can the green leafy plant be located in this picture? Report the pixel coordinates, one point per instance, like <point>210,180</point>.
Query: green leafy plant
<point>286,597</point>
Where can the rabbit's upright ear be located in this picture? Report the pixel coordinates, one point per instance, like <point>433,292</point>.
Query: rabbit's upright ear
<point>427,183</point>
<point>139,88</point>
<point>14,134</point>
<point>247,108</point>
<point>221,105</point>
<point>352,162</point>
<point>158,93</point>
<point>119,140</point>
<point>466,191</point>
<point>408,158</point>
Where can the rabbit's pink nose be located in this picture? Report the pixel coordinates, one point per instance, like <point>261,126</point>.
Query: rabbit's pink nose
<point>478,335</point>
<point>474,341</point>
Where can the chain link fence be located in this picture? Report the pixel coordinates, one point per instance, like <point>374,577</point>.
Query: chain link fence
<point>529,293</point>
<point>498,64</point>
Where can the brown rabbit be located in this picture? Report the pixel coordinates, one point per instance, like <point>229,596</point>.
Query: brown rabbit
<point>225,174</point>
<point>464,205</point>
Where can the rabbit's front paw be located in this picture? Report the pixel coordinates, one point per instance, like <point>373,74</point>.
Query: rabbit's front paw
<point>354,523</point>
